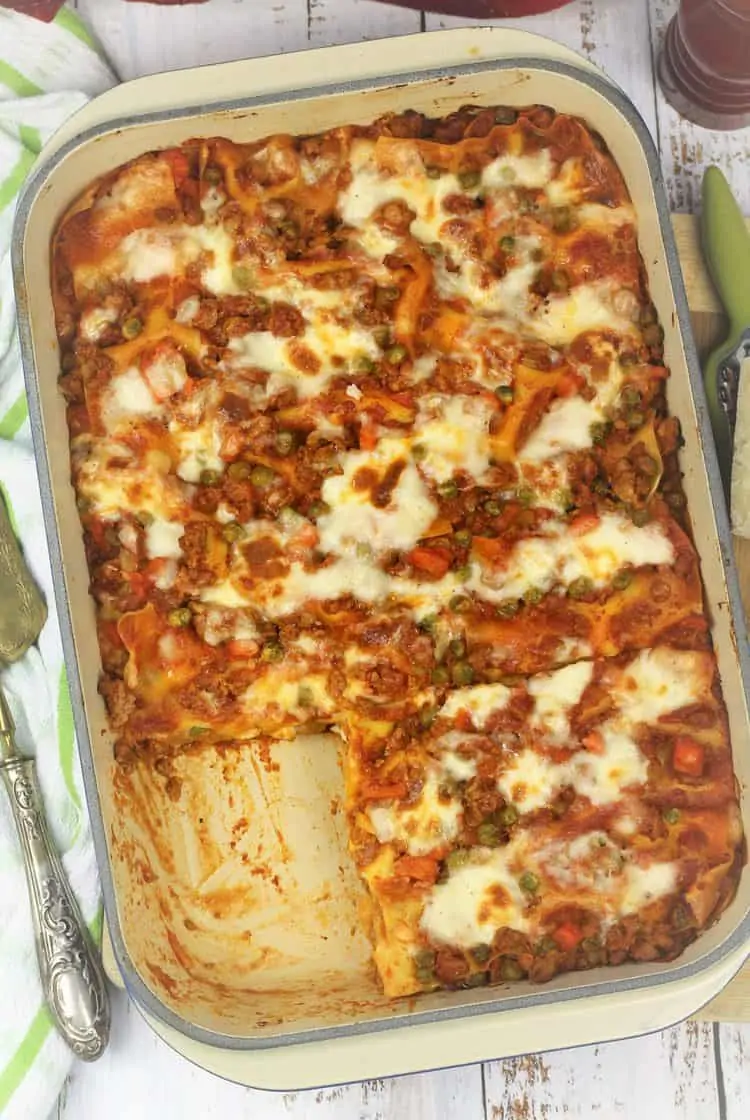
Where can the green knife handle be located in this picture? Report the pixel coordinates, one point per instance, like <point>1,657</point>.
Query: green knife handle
<point>726,245</point>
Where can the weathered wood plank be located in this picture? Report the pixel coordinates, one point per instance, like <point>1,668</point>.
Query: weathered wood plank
<point>346,21</point>
<point>615,40</point>
<point>687,149</point>
<point>666,1076</point>
<point>140,1076</point>
<point>148,38</point>
<point>733,1041</point>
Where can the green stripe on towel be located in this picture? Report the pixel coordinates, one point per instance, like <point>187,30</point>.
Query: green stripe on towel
<point>17,82</point>
<point>10,186</point>
<point>69,21</point>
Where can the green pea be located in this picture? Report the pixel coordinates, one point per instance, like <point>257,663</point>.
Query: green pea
<point>363,363</point>
<point>462,673</point>
<point>493,507</point>
<point>510,969</point>
<point>598,431</point>
<point>210,477</point>
<point>440,675</point>
<point>433,172</point>
<point>525,495</point>
<point>239,471</point>
<point>180,616</point>
<point>448,489</point>
<point>457,647</point>
<point>507,243</point>
<point>469,179</point>
<point>507,816</point>
<point>319,508</point>
<point>262,476</point>
<point>389,293</point>
<point>272,651</point>
<point>562,219</point>
<point>145,518</point>
<point>131,327</point>
<point>232,532</point>
<point>427,717</point>
<point>396,355</point>
<point>463,573</point>
<point>630,396</point>
<point>476,980</point>
<point>504,393</point>
<point>382,336</point>
<point>459,857</point>
<point>242,276</point>
<point>462,537</point>
<point>545,945</point>
<point>428,623</point>
<point>509,609</point>
<point>459,603</point>
<point>671,816</point>
<point>529,882</point>
<point>635,419</point>
<point>197,730</point>
<point>363,550</point>
<point>289,228</point>
<point>640,517</point>
<point>285,442</point>
<point>580,587</point>
<point>533,595</point>
<point>622,579</point>
<point>488,834</point>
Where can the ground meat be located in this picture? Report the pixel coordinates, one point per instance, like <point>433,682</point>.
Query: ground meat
<point>286,321</point>
<point>450,967</point>
<point>120,701</point>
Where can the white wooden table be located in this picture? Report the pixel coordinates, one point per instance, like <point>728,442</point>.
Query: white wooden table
<point>691,1072</point>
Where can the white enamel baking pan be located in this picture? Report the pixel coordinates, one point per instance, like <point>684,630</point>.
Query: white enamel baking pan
<point>233,912</point>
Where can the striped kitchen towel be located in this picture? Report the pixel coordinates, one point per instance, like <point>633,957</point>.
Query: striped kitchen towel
<point>47,72</point>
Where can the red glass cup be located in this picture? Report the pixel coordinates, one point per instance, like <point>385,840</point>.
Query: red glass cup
<point>481,9</point>
<point>704,65</point>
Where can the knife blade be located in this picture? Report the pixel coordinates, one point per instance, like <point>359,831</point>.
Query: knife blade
<point>726,248</point>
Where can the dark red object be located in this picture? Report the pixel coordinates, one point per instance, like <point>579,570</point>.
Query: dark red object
<point>704,66</point>
<point>481,9</point>
<point>47,9</point>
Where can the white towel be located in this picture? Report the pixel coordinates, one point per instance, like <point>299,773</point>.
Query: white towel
<point>47,72</point>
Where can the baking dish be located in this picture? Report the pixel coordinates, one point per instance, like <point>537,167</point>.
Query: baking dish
<point>179,912</point>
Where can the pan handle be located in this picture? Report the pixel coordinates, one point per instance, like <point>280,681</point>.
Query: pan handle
<point>72,978</point>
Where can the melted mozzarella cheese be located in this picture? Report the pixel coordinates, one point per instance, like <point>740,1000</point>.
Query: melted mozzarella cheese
<point>659,681</point>
<point>457,766</point>
<point>454,433</point>
<point>147,254</point>
<point>507,297</point>
<point>529,171</point>
<point>94,322</point>
<point>131,485</point>
<point>481,702</point>
<point>532,781</point>
<point>603,777</point>
<point>163,538</point>
<point>353,518</point>
<point>476,900</point>
<point>566,426</point>
<point>555,694</point>
<point>558,556</point>
<point>126,397</point>
<point>646,884</point>
<point>420,828</point>
<point>197,449</point>
<point>293,697</point>
<point>587,307</point>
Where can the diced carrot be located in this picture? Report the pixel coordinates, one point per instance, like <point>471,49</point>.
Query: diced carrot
<point>433,561</point>
<point>368,437</point>
<point>463,720</point>
<point>179,165</point>
<point>567,936</point>
<point>242,647</point>
<point>490,548</point>
<point>383,791</point>
<point>423,869</point>
<point>306,537</point>
<point>688,757</point>
<point>594,742</point>
<point>583,523</point>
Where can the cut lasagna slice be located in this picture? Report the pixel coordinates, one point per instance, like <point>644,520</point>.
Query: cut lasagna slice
<point>577,817</point>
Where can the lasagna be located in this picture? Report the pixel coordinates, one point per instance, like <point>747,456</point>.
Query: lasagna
<point>368,431</point>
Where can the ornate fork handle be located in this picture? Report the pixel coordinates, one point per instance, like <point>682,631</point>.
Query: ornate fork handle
<point>72,978</point>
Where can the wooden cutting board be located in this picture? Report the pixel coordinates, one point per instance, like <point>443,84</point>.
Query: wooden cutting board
<point>733,1004</point>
